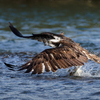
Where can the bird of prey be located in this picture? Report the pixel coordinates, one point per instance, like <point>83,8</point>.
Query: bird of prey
<point>64,53</point>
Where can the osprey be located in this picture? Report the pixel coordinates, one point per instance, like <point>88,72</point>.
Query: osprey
<point>64,54</point>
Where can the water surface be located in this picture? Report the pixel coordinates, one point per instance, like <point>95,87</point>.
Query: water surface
<point>78,20</point>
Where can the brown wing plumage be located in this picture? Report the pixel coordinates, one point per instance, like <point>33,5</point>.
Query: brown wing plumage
<point>54,59</point>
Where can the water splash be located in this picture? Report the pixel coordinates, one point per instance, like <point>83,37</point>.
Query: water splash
<point>90,69</point>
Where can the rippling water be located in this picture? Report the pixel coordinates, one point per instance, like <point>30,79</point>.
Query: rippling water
<point>79,20</point>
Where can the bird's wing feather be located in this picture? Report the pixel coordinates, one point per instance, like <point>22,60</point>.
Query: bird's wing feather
<point>40,37</point>
<point>53,59</point>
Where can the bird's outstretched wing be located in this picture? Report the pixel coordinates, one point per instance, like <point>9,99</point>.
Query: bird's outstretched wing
<point>40,37</point>
<point>54,59</point>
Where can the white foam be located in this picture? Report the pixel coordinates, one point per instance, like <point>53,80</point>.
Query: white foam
<point>90,69</point>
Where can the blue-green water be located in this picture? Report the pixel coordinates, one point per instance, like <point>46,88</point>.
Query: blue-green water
<point>79,20</point>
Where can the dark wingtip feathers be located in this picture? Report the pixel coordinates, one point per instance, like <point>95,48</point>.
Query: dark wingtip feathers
<point>15,31</point>
<point>10,25</point>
